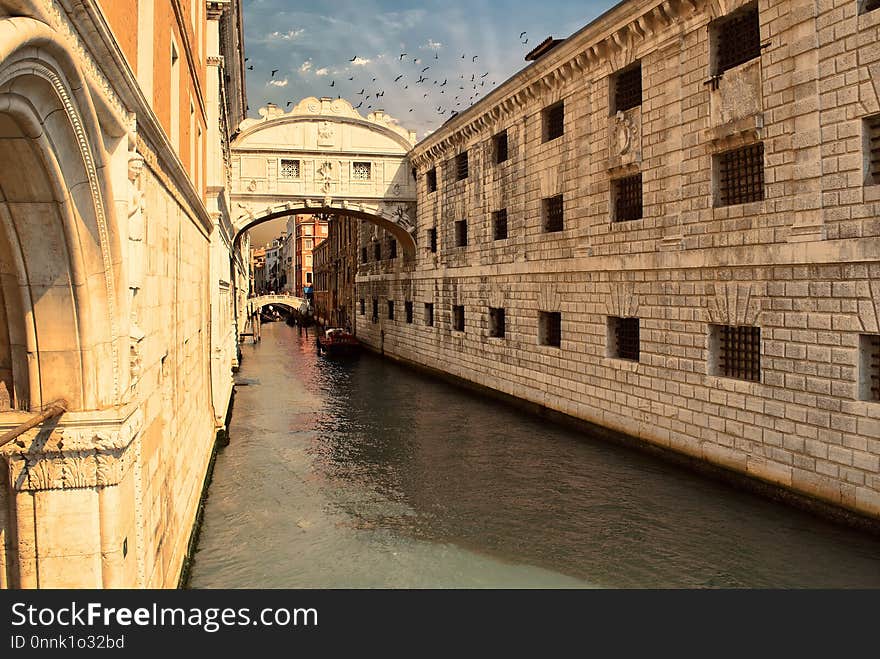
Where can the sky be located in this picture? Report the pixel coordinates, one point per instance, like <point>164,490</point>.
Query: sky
<point>338,48</point>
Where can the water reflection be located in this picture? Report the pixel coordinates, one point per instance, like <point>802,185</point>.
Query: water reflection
<point>366,474</point>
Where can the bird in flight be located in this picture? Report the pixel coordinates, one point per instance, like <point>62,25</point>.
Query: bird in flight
<point>522,34</point>
<point>436,56</point>
<point>525,42</point>
<point>274,71</point>
<point>425,69</point>
<point>444,82</point>
<point>333,83</point>
<point>361,92</point>
<point>398,77</point>
<point>353,58</point>
<point>421,80</point>
<point>358,105</point>
<point>246,59</point>
<point>474,59</point>
<point>289,103</point>
<point>351,78</point>
<point>402,55</point>
<point>485,74</point>
<point>251,67</point>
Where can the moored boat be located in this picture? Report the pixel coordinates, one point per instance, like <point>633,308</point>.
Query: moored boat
<point>335,341</point>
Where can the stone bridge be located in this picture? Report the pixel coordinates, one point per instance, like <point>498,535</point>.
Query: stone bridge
<point>324,157</point>
<point>291,302</point>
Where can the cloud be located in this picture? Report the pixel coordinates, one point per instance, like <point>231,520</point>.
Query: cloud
<point>322,72</point>
<point>361,61</point>
<point>432,45</point>
<point>278,83</point>
<point>398,21</point>
<point>290,35</point>
<point>306,66</point>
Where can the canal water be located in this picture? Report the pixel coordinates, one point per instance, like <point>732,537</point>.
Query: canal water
<point>366,474</point>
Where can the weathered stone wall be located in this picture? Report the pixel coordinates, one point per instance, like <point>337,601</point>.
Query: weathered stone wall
<point>801,263</point>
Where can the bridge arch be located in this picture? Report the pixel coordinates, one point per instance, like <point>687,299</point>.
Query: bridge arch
<point>324,157</point>
<point>59,250</point>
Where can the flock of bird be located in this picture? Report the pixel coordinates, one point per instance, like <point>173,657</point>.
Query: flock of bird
<point>450,96</point>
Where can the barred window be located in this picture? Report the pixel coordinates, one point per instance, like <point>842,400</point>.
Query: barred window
<point>623,338</point>
<point>375,310</point>
<point>458,318</point>
<point>735,351</point>
<point>737,38</point>
<point>429,314</point>
<point>361,171</point>
<point>496,323</point>
<point>408,310</point>
<point>461,233</point>
<point>431,177</point>
<point>554,121</point>
<point>377,251</point>
<point>289,168</point>
<point>390,309</point>
<point>432,240</point>
<point>392,248</point>
<point>870,5</point>
<point>741,175</point>
<point>627,195</point>
<point>869,367</point>
<point>461,166</point>
<point>553,214</point>
<point>872,146</point>
<point>363,307</point>
<point>499,224</point>
<point>500,147</point>
<point>550,328</point>
<point>627,89</point>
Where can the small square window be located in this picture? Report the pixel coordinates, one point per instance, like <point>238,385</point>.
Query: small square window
<point>623,338</point>
<point>496,323</point>
<point>461,166</point>
<point>375,310</point>
<point>627,89</point>
<point>432,240</point>
<point>431,178</point>
<point>499,224</point>
<point>627,198</point>
<point>458,318</point>
<point>289,168</point>
<point>363,307</point>
<point>740,175</point>
<point>429,314</point>
<point>869,367</point>
<point>361,171</point>
<point>553,214</point>
<point>735,352</point>
<point>550,328</point>
<point>390,309</point>
<point>408,310</point>
<point>554,121</point>
<point>392,248</point>
<point>461,233</point>
<point>735,39</point>
<point>377,251</point>
<point>499,143</point>
<point>872,147</point>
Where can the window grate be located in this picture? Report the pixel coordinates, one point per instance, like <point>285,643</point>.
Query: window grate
<point>872,125</point>
<point>626,338</point>
<point>461,233</point>
<point>461,166</point>
<point>429,314</point>
<point>500,142</point>
<point>554,121</point>
<point>361,171</point>
<point>496,323</point>
<point>628,198</point>
<point>458,318</point>
<point>871,5</point>
<point>871,347</point>
<point>377,251</point>
<point>432,180</point>
<point>390,309</point>
<point>553,214</point>
<point>628,89</point>
<point>432,239</point>
<point>290,169</point>
<point>550,328</point>
<point>741,176</point>
<point>738,39</point>
<point>408,310</point>
<point>499,224</point>
<point>739,353</point>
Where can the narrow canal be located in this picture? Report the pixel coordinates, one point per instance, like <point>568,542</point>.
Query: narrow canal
<point>367,474</point>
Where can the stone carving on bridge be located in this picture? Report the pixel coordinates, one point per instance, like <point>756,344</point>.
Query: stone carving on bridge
<point>325,173</point>
<point>326,134</point>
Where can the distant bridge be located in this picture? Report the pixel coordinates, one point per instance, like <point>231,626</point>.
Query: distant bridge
<point>292,302</point>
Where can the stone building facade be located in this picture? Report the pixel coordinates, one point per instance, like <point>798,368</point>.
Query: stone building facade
<point>666,225</point>
<point>117,291</point>
<point>335,265</point>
